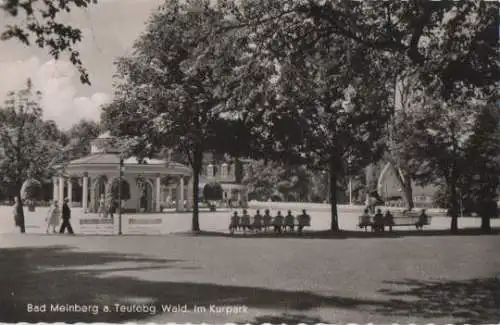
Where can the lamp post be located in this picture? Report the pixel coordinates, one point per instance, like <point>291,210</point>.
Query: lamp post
<point>461,203</point>
<point>120,197</point>
<point>350,190</point>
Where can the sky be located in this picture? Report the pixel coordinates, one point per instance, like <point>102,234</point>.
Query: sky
<point>109,30</point>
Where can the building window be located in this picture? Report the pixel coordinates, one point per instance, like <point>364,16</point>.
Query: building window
<point>224,170</point>
<point>210,170</point>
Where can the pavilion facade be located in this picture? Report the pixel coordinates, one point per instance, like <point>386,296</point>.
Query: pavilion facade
<point>96,174</point>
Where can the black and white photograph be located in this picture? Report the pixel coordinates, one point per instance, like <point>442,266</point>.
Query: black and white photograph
<point>250,161</point>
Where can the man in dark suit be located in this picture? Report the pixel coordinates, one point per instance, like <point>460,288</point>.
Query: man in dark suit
<point>19,214</point>
<point>66,215</point>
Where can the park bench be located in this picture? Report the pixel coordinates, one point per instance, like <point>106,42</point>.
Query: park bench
<point>409,219</point>
<point>400,219</point>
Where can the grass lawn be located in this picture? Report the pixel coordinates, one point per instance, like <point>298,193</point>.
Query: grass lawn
<point>439,279</point>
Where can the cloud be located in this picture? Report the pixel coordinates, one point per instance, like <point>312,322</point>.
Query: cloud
<point>109,29</point>
<point>56,80</point>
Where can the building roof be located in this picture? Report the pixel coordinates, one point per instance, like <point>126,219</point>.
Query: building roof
<point>114,159</point>
<point>105,135</point>
<point>108,161</point>
<point>105,162</point>
<point>99,158</point>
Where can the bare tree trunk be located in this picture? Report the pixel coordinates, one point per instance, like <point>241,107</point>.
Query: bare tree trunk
<point>406,186</point>
<point>333,197</point>
<point>488,209</point>
<point>454,206</point>
<point>404,180</point>
<point>197,164</point>
<point>20,218</point>
<point>486,222</point>
<point>453,180</point>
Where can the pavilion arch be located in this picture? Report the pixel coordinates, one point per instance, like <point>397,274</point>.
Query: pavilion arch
<point>97,171</point>
<point>97,188</point>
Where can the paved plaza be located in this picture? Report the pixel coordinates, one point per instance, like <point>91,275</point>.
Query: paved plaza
<point>440,279</point>
<point>214,278</point>
<point>175,222</point>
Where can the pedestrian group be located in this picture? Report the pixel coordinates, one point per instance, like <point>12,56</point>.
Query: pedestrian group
<point>380,221</point>
<point>260,222</point>
<point>52,219</point>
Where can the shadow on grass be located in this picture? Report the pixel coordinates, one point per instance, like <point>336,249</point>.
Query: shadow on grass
<point>475,301</point>
<point>287,318</point>
<point>345,234</point>
<point>58,275</point>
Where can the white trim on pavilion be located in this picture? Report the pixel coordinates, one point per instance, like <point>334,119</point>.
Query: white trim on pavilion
<point>101,168</point>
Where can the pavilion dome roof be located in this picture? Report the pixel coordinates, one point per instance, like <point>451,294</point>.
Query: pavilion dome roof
<point>105,156</point>
<point>106,135</point>
<point>114,159</point>
<point>106,161</point>
<point>104,143</point>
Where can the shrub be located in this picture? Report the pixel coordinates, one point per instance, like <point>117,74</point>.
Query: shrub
<point>212,192</point>
<point>31,190</point>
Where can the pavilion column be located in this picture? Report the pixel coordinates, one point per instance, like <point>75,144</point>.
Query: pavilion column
<point>238,197</point>
<point>158,193</point>
<point>55,190</point>
<point>190,195</point>
<point>61,190</point>
<point>180,194</point>
<point>85,192</point>
<point>244,197</point>
<point>69,194</point>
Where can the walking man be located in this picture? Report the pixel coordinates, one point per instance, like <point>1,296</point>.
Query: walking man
<point>19,214</point>
<point>66,215</point>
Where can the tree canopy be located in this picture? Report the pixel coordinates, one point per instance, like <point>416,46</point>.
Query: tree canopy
<point>173,90</point>
<point>212,192</point>
<point>43,26</point>
<point>312,83</point>
<point>31,146</point>
<point>27,147</point>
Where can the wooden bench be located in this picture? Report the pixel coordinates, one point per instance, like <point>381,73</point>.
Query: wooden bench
<point>410,219</point>
<point>399,220</point>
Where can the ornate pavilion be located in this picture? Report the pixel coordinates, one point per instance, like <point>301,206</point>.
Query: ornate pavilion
<point>97,173</point>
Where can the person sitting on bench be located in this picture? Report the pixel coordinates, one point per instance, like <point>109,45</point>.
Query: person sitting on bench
<point>266,220</point>
<point>235,221</point>
<point>240,223</point>
<point>422,220</point>
<point>257,221</point>
<point>389,219</point>
<point>289,221</point>
<point>278,222</point>
<point>245,221</point>
<point>378,221</point>
<point>365,219</point>
<point>304,220</point>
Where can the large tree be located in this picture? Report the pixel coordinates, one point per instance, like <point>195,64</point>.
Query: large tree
<point>331,102</point>
<point>481,176</point>
<point>264,180</point>
<point>455,42</point>
<point>82,134</point>
<point>437,138</point>
<point>437,42</point>
<point>174,88</point>
<point>27,147</point>
<point>73,143</point>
